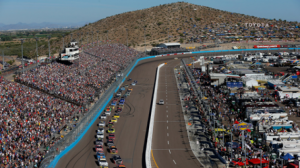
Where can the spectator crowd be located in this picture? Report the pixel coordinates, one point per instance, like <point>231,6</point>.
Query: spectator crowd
<point>32,119</point>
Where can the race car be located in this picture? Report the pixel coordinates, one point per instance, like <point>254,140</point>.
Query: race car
<point>132,84</point>
<point>103,163</point>
<point>129,89</point>
<point>99,139</point>
<point>116,116</point>
<point>121,104</point>
<point>99,148</point>
<point>119,110</point>
<point>122,100</point>
<point>108,109</point>
<point>100,130</point>
<point>101,124</point>
<point>135,81</point>
<point>119,94</point>
<point>107,113</point>
<point>127,94</point>
<point>115,100</point>
<point>100,135</point>
<point>121,166</point>
<point>117,159</point>
<point>113,103</point>
<point>100,156</point>
<point>103,116</point>
<point>113,150</point>
<point>111,136</point>
<point>111,126</point>
<point>114,120</point>
<point>110,142</point>
<point>111,130</point>
<point>112,107</point>
<point>99,143</point>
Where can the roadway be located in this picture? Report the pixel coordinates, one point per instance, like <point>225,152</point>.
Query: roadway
<point>132,127</point>
<point>170,143</point>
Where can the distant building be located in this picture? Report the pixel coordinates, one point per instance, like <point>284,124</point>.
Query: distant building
<point>169,45</point>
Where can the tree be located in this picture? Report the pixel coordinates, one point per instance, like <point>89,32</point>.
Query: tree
<point>181,40</point>
<point>159,23</point>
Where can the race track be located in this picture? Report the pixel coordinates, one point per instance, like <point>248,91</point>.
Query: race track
<point>132,127</point>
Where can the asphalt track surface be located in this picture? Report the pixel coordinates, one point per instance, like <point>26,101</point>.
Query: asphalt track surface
<point>131,128</point>
<point>170,144</point>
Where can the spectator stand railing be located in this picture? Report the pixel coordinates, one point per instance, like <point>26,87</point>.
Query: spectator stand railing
<point>50,159</point>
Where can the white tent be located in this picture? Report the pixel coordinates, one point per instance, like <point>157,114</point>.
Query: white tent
<point>250,82</point>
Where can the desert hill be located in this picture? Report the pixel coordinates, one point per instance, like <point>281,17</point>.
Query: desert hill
<point>181,20</point>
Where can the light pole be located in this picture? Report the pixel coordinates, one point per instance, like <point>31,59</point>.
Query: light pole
<point>63,41</point>
<point>81,38</point>
<point>87,38</point>
<point>168,36</point>
<point>107,36</point>
<point>98,37</point>
<point>127,37</point>
<point>37,53</point>
<point>92,38</point>
<point>78,37</point>
<point>2,56</point>
<point>22,40</point>
<point>49,45</point>
<point>145,39</point>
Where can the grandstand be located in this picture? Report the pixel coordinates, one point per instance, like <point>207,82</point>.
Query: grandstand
<point>45,103</point>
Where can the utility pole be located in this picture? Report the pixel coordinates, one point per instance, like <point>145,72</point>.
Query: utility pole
<point>22,40</point>
<point>71,37</point>
<point>37,54</point>
<point>127,36</point>
<point>49,45</point>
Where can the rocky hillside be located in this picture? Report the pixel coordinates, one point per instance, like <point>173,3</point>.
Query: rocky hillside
<point>181,20</point>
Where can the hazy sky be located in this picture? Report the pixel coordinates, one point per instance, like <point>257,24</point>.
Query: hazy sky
<point>29,11</point>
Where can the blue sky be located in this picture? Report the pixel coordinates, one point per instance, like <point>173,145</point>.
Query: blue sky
<point>73,11</point>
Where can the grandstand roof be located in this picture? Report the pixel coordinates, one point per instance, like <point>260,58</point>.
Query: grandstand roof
<point>171,44</point>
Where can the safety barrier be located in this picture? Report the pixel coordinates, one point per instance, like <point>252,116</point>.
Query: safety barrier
<point>151,123</point>
<point>67,143</point>
<point>52,158</point>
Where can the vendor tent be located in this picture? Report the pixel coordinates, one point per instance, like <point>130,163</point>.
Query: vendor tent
<point>249,82</point>
<point>287,157</point>
<point>257,161</point>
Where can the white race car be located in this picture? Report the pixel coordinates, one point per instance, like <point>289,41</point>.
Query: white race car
<point>100,130</point>
<point>101,124</point>
<point>100,135</point>
<point>103,163</point>
<point>103,116</point>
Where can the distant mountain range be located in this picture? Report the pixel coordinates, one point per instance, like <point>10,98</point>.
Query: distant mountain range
<point>21,25</point>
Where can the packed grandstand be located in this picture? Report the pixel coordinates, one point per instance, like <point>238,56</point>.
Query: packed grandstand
<point>45,102</point>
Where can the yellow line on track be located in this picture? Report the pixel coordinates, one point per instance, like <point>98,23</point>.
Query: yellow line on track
<point>154,159</point>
